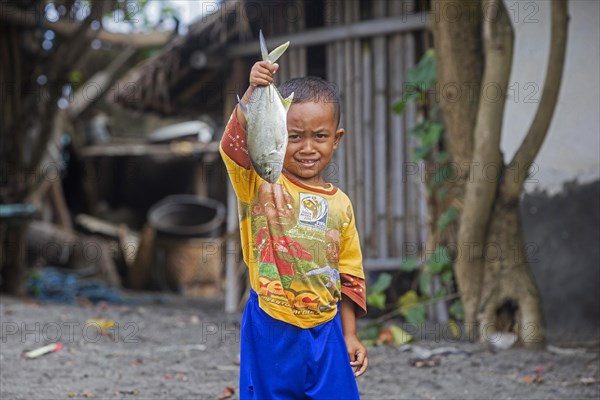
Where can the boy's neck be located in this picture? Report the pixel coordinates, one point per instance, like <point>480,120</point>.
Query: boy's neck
<point>316,181</point>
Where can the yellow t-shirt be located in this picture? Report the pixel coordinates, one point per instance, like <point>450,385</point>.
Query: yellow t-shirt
<point>299,241</point>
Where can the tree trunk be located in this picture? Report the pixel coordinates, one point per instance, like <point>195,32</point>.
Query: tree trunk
<point>485,166</point>
<point>510,300</point>
<point>492,271</point>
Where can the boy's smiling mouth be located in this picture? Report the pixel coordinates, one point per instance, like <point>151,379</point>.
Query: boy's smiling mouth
<point>307,163</point>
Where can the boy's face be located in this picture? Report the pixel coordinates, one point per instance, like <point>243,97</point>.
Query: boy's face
<point>312,138</point>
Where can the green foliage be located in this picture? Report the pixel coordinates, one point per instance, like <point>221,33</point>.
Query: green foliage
<point>424,74</point>
<point>449,216</point>
<point>376,292</point>
<point>409,264</point>
<point>456,310</point>
<point>377,334</point>
<point>383,282</point>
<point>370,332</point>
<point>441,175</point>
<point>419,78</point>
<point>439,260</point>
<point>429,132</point>
<point>412,309</point>
<point>425,281</point>
<point>399,335</point>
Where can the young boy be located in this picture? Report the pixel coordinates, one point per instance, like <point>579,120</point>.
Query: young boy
<point>299,240</point>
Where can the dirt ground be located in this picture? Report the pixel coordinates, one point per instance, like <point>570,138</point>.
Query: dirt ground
<point>176,349</point>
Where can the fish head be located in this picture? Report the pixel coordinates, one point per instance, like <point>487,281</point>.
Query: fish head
<point>269,168</point>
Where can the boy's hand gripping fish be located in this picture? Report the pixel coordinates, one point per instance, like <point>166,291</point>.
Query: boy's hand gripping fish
<point>266,115</point>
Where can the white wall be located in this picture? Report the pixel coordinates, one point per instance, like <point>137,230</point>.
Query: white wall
<point>571,150</point>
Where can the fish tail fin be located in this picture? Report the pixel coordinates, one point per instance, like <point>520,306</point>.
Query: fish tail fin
<point>242,106</point>
<point>275,54</point>
<point>263,46</point>
<point>288,102</point>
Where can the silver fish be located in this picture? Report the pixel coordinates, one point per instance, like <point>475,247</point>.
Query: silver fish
<point>266,116</point>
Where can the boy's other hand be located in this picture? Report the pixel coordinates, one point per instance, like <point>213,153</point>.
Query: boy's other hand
<point>359,359</point>
<point>262,73</point>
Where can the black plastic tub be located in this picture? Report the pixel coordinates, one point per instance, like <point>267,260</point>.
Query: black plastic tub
<point>187,216</point>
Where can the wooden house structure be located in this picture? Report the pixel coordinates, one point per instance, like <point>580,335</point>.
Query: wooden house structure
<point>364,47</point>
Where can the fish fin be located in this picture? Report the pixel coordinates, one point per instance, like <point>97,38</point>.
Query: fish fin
<point>275,54</point>
<point>288,102</point>
<point>263,46</point>
<point>242,106</point>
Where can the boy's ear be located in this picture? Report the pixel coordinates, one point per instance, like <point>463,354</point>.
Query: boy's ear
<point>338,136</point>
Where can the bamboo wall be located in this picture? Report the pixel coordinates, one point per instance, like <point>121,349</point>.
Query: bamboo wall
<point>371,163</point>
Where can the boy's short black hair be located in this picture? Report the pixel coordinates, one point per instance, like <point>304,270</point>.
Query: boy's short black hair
<point>312,88</point>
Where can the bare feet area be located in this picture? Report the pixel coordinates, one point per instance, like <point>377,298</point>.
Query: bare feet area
<point>169,348</point>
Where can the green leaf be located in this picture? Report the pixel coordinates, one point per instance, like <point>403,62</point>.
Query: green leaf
<point>408,300</point>
<point>424,74</point>
<point>407,97</point>
<point>420,153</point>
<point>439,260</point>
<point>456,309</point>
<point>441,293</point>
<point>409,264</point>
<point>400,335</point>
<point>447,276</point>
<point>399,107</point>
<point>376,297</point>
<point>443,192</point>
<point>432,133</point>
<point>441,175</point>
<point>425,281</point>
<point>419,129</point>
<point>383,282</point>
<point>416,315</point>
<point>376,300</point>
<point>370,332</point>
<point>442,156</point>
<point>411,308</point>
<point>454,328</point>
<point>447,218</point>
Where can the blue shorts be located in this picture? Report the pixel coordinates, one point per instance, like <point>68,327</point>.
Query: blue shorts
<point>281,361</point>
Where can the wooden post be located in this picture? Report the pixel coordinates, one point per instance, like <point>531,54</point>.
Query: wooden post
<point>331,13</point>
<point>413,182</point>
<point>367,140</point>
<point>340,166</point>
<point>348,106</point>
<point>397,134</point>
<point>381,115</point>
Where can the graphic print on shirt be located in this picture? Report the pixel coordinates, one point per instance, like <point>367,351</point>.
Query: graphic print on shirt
<point>313,210</point>
<point>297,262</point>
